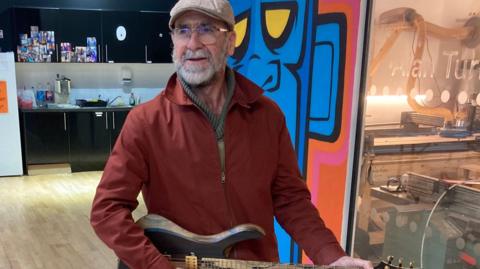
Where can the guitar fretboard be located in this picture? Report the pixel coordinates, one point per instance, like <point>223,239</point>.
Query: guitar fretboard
<point>212,263</point>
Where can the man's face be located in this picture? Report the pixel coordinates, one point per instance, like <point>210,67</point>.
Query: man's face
<point>200,47</point>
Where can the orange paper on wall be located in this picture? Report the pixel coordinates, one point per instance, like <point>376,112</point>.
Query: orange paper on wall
<point>3,97</point>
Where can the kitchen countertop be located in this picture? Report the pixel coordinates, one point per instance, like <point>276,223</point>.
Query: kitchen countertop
<point>77,109</point>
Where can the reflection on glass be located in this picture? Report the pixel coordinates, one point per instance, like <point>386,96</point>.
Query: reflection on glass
<point>419,187</point>
<point>462,98</point>
<point>445,97</point>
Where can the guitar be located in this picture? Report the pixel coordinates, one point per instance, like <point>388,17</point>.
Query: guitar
<point>389,264</point>
<point>192,251</point>
<point>176,243</point>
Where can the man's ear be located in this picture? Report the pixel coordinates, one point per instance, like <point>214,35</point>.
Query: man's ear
<point>231,43</point>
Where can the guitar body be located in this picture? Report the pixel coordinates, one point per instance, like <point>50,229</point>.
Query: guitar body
<point>176,242</point>
<point>211,251</point>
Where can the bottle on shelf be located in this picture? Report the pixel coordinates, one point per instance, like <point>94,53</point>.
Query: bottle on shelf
<point>58,87</point>
<point>49,95</point>
<point>39,95</point>
<point>131,100</point>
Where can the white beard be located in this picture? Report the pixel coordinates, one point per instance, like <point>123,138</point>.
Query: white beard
<point>196,75</point>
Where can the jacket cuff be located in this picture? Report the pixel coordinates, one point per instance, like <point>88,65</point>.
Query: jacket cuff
<point>161,263</point>
<point>329,254</point>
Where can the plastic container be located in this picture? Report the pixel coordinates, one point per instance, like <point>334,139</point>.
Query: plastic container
<point>26,100</point>
<point>40,97</point>
<point>25,103</point>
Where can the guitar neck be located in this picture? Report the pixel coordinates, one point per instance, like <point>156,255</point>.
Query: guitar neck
<point>213,263</point>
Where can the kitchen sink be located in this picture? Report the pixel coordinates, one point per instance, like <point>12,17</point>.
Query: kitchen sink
<point>87,103</point>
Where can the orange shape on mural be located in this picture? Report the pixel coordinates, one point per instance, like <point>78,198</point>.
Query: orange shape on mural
<point>3,97</point>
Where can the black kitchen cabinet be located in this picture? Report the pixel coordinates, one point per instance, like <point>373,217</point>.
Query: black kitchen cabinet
<point>71,26</point>
<point>89,140</point>
<point>156,36</point>
<point>6,31</point>
<point>123,37</point>
<point>118,119</point>
<point>45,19</point>
<point>82,138</point>
<point>46,137</point>
<point>76,25</point>
<point>92,136</point>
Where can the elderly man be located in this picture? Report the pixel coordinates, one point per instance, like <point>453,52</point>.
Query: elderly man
<point>210,152</point>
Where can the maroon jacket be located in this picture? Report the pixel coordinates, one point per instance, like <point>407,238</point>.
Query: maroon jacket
<point>168,150</point>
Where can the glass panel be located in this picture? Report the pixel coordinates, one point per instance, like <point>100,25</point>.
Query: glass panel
<point>419,184</point>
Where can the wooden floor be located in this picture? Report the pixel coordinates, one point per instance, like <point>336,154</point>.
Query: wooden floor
<point>44,223</point>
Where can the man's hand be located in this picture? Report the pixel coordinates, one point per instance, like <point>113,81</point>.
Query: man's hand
<point>349,261</point>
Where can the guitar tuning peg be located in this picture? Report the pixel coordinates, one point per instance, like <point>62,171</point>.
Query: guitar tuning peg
<point>400,263</point>
<point>390,259</point>
<point>410,265</point>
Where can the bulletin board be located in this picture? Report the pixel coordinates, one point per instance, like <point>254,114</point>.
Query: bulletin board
<point>3,97</point>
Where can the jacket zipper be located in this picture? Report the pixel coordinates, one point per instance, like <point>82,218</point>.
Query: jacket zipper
<point>223,182</point>
<point>230,212</point>
<point>223,177</point>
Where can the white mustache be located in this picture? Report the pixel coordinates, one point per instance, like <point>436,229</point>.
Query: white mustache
<point>195,54</point>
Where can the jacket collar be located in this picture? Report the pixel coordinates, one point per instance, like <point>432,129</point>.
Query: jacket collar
<point>245,92</point>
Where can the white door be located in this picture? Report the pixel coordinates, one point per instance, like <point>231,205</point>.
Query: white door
<point>10,145</point>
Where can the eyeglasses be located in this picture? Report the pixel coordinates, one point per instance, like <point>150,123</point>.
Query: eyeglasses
<point>207,34</point>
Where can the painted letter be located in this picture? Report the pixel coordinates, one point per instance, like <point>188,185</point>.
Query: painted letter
<point>416,68</point>
<point>457,66</point>
<point>398,68</point>
<point>450,55</point>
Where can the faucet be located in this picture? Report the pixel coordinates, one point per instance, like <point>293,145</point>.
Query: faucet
<point>113,100</point>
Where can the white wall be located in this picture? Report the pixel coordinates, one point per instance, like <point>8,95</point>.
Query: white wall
<point>94,76</point>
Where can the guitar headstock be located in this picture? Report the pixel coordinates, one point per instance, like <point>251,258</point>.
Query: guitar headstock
<point>389,264</point>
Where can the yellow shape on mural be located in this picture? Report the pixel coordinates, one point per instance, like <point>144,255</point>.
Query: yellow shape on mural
<point>3,97</point>
<point>241,31</point>
<point>276,20</point>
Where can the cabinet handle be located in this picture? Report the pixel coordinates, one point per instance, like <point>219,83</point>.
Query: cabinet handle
<point>146,52</point>
<point>106,53</point>
<point>113,120</point>
<point>99,55</point>
<point>65,121</point>
<point>106,121</point>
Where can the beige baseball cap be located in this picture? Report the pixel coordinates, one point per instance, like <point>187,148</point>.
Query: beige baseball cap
<point>218,9</point>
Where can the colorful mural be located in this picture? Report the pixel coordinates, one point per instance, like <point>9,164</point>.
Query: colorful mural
<point>303,54</point>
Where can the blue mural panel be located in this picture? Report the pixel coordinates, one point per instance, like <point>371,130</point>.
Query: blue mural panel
<point>325,83</point>
<point>298,66</point>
